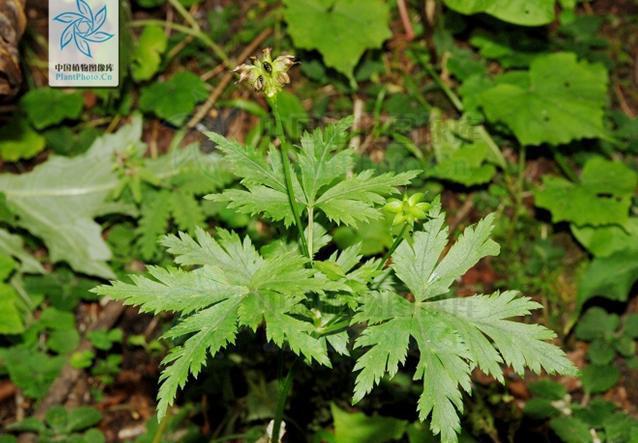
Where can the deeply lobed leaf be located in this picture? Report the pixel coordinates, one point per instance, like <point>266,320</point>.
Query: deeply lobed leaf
<point>453,335</point>
<point>231,286</point>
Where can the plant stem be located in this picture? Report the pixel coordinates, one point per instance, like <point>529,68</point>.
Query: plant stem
<point>386,257</point>
<point>456,101</point>
<point>279,129</point>
<point>334,328</point>
<point>185,14</point>
<point>284,391</point>
<point>518,198</point>
<point>395,245</point>
<point>521,176</point>
<point>198,34</point>
<point>311,227</point>
<point>161,428</point>
<point>561,161</point>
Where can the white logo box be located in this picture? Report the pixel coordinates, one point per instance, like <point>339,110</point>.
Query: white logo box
<point>83,43</point>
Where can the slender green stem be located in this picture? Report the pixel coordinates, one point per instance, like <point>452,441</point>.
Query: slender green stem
<point>561,161</point>
<point>456,101</point>
<point>284,391</point>
<point>395,245</point>
<point>518,197</point>
<point>311,234</point>
<point>288,175</point>
<point>336,327</point>
<point>386,257</point>
<point>521,175</point>
<point>198,34</point>
<point>185,14</point>
<point>157,438</point>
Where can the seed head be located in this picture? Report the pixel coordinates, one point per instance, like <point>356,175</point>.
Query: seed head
<point>265,74</point>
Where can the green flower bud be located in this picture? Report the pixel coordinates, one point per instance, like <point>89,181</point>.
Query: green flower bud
<point>407,210</point>
<point>265,74</point>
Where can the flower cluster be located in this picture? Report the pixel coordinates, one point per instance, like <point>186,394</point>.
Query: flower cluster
<point>408,210</point>
<point>265,74</point>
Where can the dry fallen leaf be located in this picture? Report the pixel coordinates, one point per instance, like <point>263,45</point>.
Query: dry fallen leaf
<point>12,24</point>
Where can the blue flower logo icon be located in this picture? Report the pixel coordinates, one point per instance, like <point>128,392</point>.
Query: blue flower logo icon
<point>83,27</point>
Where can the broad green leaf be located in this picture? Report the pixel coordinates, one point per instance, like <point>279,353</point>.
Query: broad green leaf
<point>32,371</point>
<point>512,49</point>
<point>148,52</point>
<point>63,341</point>
<point>11,244</point>
<point>540,409</point>
<point>625,346</point>
<point>82,417</point>
<point>597,378</point>
<point>464,153</point>
<point>630,326</point>
<point>571,430</point>
<point>340,29</point>
<point>558,100</point>
<point>58,200</point>
<point>519,12</point>
<point>29,424</point>
<point>19,141</point>
<point>611,277</point>
<point>64,141</point>
<point>10,317</point>
<point>48,106</point>
<point>603,241</point>
<point>356,427</point>
<point>7,266</point>
<point>548,389</point>
<point>600,353</point>
<point>465,166</point>
<point>597,324</point>
<point>232,286</point>
<point>621,427</point>
<point>56,418</point>
<point>601,197</point>
<point>173,100</point>
<point>63,289</point>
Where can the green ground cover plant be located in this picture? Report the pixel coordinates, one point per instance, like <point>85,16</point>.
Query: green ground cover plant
<point>420,228</point>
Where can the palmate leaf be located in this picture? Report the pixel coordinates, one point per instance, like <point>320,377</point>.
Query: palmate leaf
<point>321,182</point>
<point>340,29</point>
<point>601,197</point>
<point>453,335</point>
<point>520,12</point>
<point>558,100</point>
<point>231,286</point>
